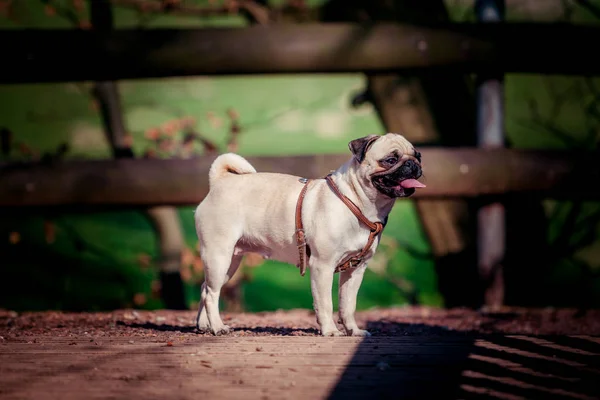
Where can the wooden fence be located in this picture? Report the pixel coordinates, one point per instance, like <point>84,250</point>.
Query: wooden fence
<point>67,55</point>
<point>489,49</point>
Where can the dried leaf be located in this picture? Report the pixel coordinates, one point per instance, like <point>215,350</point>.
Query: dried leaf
<point>214,120</point>
<point>24,149</point>
<point>49,231</point>
<point>187,257</point>
<point>166,144</point>
<point>128,140</point>
<point>150,153</point>
<point>14,237</point>
<point>49,10</point>
<point>152,133</point>
<point>5,7</point>
<point>170,128</point>
<point>78,5</point>
<point>144,260</point>
<point>187,122</point>
<point>233,114</point>
<point>85,24</point>
<point>186,274</point>
<point>232,6</point>
<point>155,288</point>
<point>139,299</point>
<point>197,264</point>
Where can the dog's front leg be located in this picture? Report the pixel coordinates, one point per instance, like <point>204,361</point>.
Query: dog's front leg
<point>321,282</point>
<point>350,281</point>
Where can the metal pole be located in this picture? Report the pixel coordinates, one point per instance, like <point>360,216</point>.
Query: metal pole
<point>490,134</point>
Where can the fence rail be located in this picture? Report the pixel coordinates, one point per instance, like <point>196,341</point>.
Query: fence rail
<point>458,172</point>
<point>77,55</point>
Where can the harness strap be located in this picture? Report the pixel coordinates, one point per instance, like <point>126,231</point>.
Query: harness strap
<point>300,236</point>
<point>303,251</point>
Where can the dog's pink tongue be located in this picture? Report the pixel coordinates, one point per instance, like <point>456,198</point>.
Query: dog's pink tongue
<point>411,183</point>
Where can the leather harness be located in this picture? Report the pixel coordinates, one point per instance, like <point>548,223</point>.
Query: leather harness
<point>304,251</point>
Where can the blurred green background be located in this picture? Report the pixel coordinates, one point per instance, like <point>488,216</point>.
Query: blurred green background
<point>106,260</point>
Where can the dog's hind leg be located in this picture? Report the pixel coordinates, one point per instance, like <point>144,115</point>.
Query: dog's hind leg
<point>202,319</point>
<point>219,268</point>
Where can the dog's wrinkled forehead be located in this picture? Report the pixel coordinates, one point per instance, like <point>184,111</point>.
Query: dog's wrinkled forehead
<point>389,143</point>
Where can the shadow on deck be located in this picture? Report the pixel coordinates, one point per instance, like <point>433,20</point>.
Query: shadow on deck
<point>435,363</point>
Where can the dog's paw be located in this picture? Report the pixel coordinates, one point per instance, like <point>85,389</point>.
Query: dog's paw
<point>359,332</point>
<point>203,329</point>
<point>332,333</point>
<point>223,330</point>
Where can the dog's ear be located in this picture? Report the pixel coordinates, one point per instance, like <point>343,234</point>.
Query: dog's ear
<point>359,147</point>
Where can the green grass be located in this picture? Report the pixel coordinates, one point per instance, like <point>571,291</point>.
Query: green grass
<point>275,285</point>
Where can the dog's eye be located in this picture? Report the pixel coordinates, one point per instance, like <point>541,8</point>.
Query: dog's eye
<point>390,160</point>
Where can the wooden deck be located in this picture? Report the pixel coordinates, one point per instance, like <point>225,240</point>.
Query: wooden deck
<point>172,362</point>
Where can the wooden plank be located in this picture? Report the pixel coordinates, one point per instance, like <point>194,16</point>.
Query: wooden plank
<point>460,172</point>
<point>125,366</point>
<point>69,55</point>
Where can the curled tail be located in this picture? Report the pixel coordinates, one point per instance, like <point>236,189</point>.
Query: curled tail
<point>226,164</point>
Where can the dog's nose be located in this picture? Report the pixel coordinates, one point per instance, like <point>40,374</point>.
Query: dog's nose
<point>412,167</point>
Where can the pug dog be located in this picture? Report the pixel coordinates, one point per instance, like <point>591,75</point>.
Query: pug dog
<point>249,211</point>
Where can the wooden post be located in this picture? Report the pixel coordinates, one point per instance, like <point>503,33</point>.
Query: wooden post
<point>490,134</point>
<point>165,219</point>
<point>107,94</point>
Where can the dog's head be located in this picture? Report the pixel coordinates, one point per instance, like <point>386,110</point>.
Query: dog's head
<point>389,163</point>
